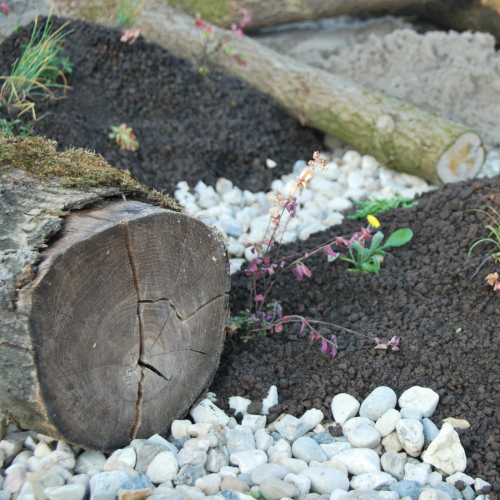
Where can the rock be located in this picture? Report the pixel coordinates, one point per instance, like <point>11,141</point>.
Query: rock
<point>372,481</point>
<point>27,492</point>
<point>66,492</point>
<point>430,430</point>
<point>393,464</point>
<point>190,492</point>
<point>340,204</point>
<point>307,449</point>
<point>434,478</point>
<point>2,458</point>
<point>429,494</point>
<point>276,489</point>
<point>23,457</point>
<point>378,402</point>
<point>15,480</point>
<point>364,436</point>
<point>270,400</point>
<point>312,418</point>
<point>145,454</point>
<point>480,484</point>
<point>216,460</point>
<point>468,493</point>
<point>179,443</point>
<point>460,476</point>
<point>125,456</point>
<point>291,428</point>
<point>301,482</point>
<point>247,461</point>
<point>207,413</point>
<point>326,479</point>
<point>5,495</point>
<point>10,448</point>
<point>457,423</point>
<point>163,467</point>
<point>239,404</point>
<point>43,449</point>
<point>387,422</point>
<point>344,407</point>
<point>263,440</point>
<point>237,441</point>
<point>50,480</point>
<point>324,438</point>
<point>141,494</point>
<point>420,398</point>
<point>195,431</point>
<point>354,422</point>
<point>296,466</point>
<point>389,495</point>
<point>449,489</point>
<point>255,422</point>
<point>407,489</point>
<point>411,413</point>
<point>446,452</point>
<point>336,465</point>
<point>107,482</point>
<point>363,495</point>
<point>191,456</point>
<point>222,186</point>
<point>411,436</point>
<point>359,460</point>
<point>64,458</point>
<point>228,472</point>
<point>338,494</point>
<point>79,479</point>
<point>179,428</point>
<point>268,471</point>
<point>189,474</point>
<point>167,494</point>
<point>391,442</point>
<point>335,448</point>
<point>209,484</point>
<point>416,473</point>
<point>235,484</point>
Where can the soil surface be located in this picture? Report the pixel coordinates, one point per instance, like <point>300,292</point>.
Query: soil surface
<point>189,128</point>
<point>424,294</point>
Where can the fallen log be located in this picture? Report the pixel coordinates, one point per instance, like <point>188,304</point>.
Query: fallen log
<point>266,13</point>
<point>112,311</point>
<point>399,135</point>
<point>459,15</point>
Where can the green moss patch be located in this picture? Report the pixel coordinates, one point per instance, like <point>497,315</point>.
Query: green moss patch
<point>213,11</point>
<point>76,168</point>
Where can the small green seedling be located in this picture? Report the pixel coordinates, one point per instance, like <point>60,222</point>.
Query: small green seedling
<point>368,260</point>
<point>128,10</point>
<point>125,138</point>
<point>375,207</point>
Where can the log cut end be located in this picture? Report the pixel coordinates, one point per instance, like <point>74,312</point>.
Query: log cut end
<point>463,159</point>
<point>127,317</point>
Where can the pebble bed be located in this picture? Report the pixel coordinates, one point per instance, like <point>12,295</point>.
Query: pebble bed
<point>371,451</point>
<point>243,216</point>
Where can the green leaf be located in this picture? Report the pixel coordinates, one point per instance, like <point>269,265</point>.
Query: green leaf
<point>377,239</point>
<point>398,238</point>
<point>372,266</point>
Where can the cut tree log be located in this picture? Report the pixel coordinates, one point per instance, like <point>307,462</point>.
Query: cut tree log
<point>459,15</point>
<point>116,327</point>
<point>398,135</point>
<point>266,13</point>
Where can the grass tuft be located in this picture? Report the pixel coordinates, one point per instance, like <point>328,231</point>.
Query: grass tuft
<point>128,10</point>
<point>76,168</point>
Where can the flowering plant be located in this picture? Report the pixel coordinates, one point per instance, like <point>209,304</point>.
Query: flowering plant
<point>263,317</point>
<point>4,10</point>
<point>211,48</point>
<point>124,137</point>
<point>130,36</point>
<point>368,260</point>
<point>492,279</point>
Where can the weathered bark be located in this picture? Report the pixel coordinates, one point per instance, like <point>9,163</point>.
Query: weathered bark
<point>116,328</point>
<point>399,135</point>
<point>459,15</point>
<point>267,13</point>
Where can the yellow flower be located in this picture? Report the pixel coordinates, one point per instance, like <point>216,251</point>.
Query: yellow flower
<point>373,221</point>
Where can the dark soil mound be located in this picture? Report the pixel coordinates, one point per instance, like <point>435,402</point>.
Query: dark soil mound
<point>423,294</point>
<point>188,127</point>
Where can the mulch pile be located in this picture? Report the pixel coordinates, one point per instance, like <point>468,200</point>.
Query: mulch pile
<point>423,294</point>
<point>189,128</point>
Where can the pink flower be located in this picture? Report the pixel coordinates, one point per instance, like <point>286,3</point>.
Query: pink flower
<point>334,346</point>
<point>394,343</point>
<point>4,9</point>
<point>279,327</point>
<point>300,270</point>
<point>325,346</point>
<point>315,336</point>
<point>259,298</point>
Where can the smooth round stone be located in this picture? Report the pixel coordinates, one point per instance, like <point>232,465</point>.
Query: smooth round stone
<point>210,484</point>
<point>430,429</point>
<point>301,482</point>
<point>312,418</point>
<point>372,481</point>
<point>191,456</point>
<point>336,465</point>
<point>207,413</point>
<point>364,495</point>
<point>411,413</point>
<point>125,456</point>
<point>108,482</point>
<point>359,460</point>
<point>307,449</point>
<point>190,492</point>
<point>389,495</point>
<point>73,491</point>
<point>416,473</point>
<point>411,436</point>
<point>387,422</point>
<point>335,448</point>
<point>216,459</point>
<point>326,479</point>
<point>420,398</point>
<point>344,407</point>
<point>407,489</point>
<point>468,493</point>
<point>338,494</point>
<point>393,464</point>
<point>296,466</point>
<point>246,478</point>
<point>276,489</point>
<point>254,422</point>
<point>237,441</point>
<point>235,484</point>
<point>89,460</point>
<point>291,428</point>
<point>378,402</point>
<point>247,461</point>
<point>324,438</point>
<point>391,442</point>
<point>364,436</point>
<point>263,440</point>
<point>163,467</point>
<point>354,422</point>
<point>268,471</point>
<point>450,490</point>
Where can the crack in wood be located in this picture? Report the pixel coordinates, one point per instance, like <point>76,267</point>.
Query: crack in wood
<point>138,407</point>
<point>155,370</point>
